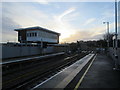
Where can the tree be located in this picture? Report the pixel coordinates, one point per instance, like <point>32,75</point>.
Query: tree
<point>109,37</point>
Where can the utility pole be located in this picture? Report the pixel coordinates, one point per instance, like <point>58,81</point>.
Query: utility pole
<point>116,41</point>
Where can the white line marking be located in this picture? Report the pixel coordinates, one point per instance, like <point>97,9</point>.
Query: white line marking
<point>31,58</point>
<point>81,79</point>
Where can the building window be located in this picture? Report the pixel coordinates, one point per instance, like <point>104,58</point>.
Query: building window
<point>35,34</point>
<point>32,34</point>
<point>27,34</point>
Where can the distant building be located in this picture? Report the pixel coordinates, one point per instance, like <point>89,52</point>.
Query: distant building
<point>37,35</point>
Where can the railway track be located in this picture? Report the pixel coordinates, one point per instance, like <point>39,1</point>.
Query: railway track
<point>37,74</point>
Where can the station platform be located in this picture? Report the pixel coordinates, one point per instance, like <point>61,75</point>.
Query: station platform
<point>92,71</point>
<point>15,60</point>
<point>64,77</point>
<point>101,74</point>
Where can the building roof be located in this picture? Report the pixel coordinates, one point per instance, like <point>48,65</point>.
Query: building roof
<point>36,28</point>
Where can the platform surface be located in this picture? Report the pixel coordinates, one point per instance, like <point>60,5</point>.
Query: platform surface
<point>29,58</point>
<point>101,74</point>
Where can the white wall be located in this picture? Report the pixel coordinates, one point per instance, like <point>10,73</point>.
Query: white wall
<point>43,36</point>
<point>15,51</point>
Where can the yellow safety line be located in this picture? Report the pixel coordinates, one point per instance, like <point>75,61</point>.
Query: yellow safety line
<point>79,82</point>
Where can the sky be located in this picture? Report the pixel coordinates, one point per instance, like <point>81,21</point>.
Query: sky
<point>74,20</point>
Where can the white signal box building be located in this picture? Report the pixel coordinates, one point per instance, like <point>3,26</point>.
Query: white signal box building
<point>37,35</point>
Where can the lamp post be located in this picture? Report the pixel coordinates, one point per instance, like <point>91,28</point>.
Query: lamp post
<point>116,41</point>
<point>107,23</point>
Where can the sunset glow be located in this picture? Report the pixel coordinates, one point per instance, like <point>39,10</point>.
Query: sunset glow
<point>74,20</point>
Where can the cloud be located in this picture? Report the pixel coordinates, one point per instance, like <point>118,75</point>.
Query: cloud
<point>70,10</point>
<point>32,16</point>
<point>60,0</point>
<point>8,26</point>
<point>80,35</point>
<point>28,15</point>
<point>17,15</point>
<point>89,21</point>
<point>67,16</point>
<point>61,23</point>
<point>42,1</point>
<point>94,33</point>
<point>35,17</point>
<point>83,35</point>
<point>38,1</point>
